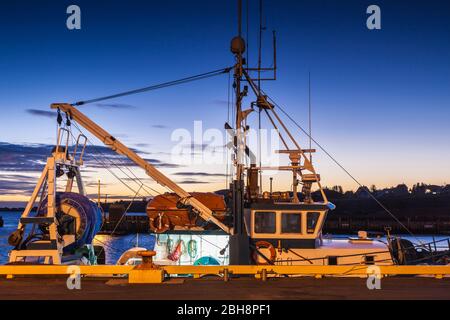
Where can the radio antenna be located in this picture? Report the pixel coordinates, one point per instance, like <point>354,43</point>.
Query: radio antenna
<point>260,43</point>
<point>309,116</point>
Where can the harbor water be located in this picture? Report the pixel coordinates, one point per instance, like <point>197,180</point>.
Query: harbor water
<point>115,245</point>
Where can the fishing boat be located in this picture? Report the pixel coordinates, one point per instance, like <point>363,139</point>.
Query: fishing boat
<point>246,226</point>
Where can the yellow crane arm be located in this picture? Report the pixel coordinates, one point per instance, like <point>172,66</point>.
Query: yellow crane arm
<point>186,198</point>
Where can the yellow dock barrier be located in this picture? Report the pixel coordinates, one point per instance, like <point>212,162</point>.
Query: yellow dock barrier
<point>140,275</point>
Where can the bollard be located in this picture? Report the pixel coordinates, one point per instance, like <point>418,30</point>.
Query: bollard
<point>147,260</point>
<point>264,275</point>
<point>226,276</point>
<point>147,272</point>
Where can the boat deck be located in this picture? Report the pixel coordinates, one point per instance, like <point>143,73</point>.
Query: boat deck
<point>38,288</point>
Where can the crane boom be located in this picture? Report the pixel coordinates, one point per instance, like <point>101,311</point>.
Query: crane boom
<point>186,198</point>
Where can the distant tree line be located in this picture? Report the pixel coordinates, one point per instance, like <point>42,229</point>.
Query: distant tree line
<point>333,193</point>
<point>401,190</point>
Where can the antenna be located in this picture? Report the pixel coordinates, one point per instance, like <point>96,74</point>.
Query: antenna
<point>238,49</point>
<point>259,89</point>
<point>309,115</point>
<point>239,17</point>
<point>246,32</point>
<point>260,43</point>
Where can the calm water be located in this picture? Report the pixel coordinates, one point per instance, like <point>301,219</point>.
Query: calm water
<point>115,245</point>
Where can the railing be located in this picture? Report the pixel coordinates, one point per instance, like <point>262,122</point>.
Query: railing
<point>79,161</point>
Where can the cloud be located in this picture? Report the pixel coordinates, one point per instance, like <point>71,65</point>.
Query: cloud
<point>159,126</point>
<point>143,179</point>
<point>160,164</point>
<point>192,182</point>
<point>23,157</point>
<point>17,187</point>
<point>94,184</point>
<point>115,106</point>
<point>20,177</point>
<point>142,145</point>
<point>42,113</point>
<point>32,157</point>
<point>93,196</point>
<point>18,159</point>
<point>200,174</point>
<point>220,102</point>
<point>196,146</point>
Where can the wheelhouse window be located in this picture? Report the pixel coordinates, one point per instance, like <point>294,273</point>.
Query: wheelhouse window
<point>311,221</point>
<point>265,222</point>
<point>291,223</point>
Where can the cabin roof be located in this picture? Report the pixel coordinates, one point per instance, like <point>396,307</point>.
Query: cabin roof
<point>289,206</point>
<point>347,244</point>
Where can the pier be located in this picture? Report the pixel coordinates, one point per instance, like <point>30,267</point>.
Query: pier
<point>225,282</point>
<point>239,289</point>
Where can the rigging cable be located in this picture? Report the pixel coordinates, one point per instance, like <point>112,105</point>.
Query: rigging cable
<point>141,183</point>
<point>343,168</point>
<point>121,218</point>
<point>157,86</point>
<point>227,151</point>
<point>102,163</point>
<point>111,162</point>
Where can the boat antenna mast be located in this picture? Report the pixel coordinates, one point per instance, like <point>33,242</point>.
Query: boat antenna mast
<point>299,161</point>
<point>238,47</point>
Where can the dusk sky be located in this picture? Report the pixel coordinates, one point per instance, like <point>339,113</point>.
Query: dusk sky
<point>380,98</point>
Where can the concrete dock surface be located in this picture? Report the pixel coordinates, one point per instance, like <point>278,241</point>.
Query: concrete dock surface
<point>236,289</point>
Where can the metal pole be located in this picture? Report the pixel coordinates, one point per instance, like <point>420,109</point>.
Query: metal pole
<point>99,194</point>
<point>271,180</point>
<point>237,79</point>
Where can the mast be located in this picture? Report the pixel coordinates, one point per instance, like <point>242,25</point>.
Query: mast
<point>238,48</point>
<point>297,156</point>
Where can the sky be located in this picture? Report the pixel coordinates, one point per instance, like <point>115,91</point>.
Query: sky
<point>380,98</point>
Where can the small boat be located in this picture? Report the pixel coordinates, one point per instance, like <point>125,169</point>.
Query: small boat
<point>2,222</point>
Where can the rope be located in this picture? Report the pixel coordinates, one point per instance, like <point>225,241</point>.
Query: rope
<point>157,86</point>
<point>211,243</point>
<point>109,246</point>
<point>118,167</point>
<point>106,167</point>
<point>121,218</point>
<point>141,183</point>
<point>345,170</point>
